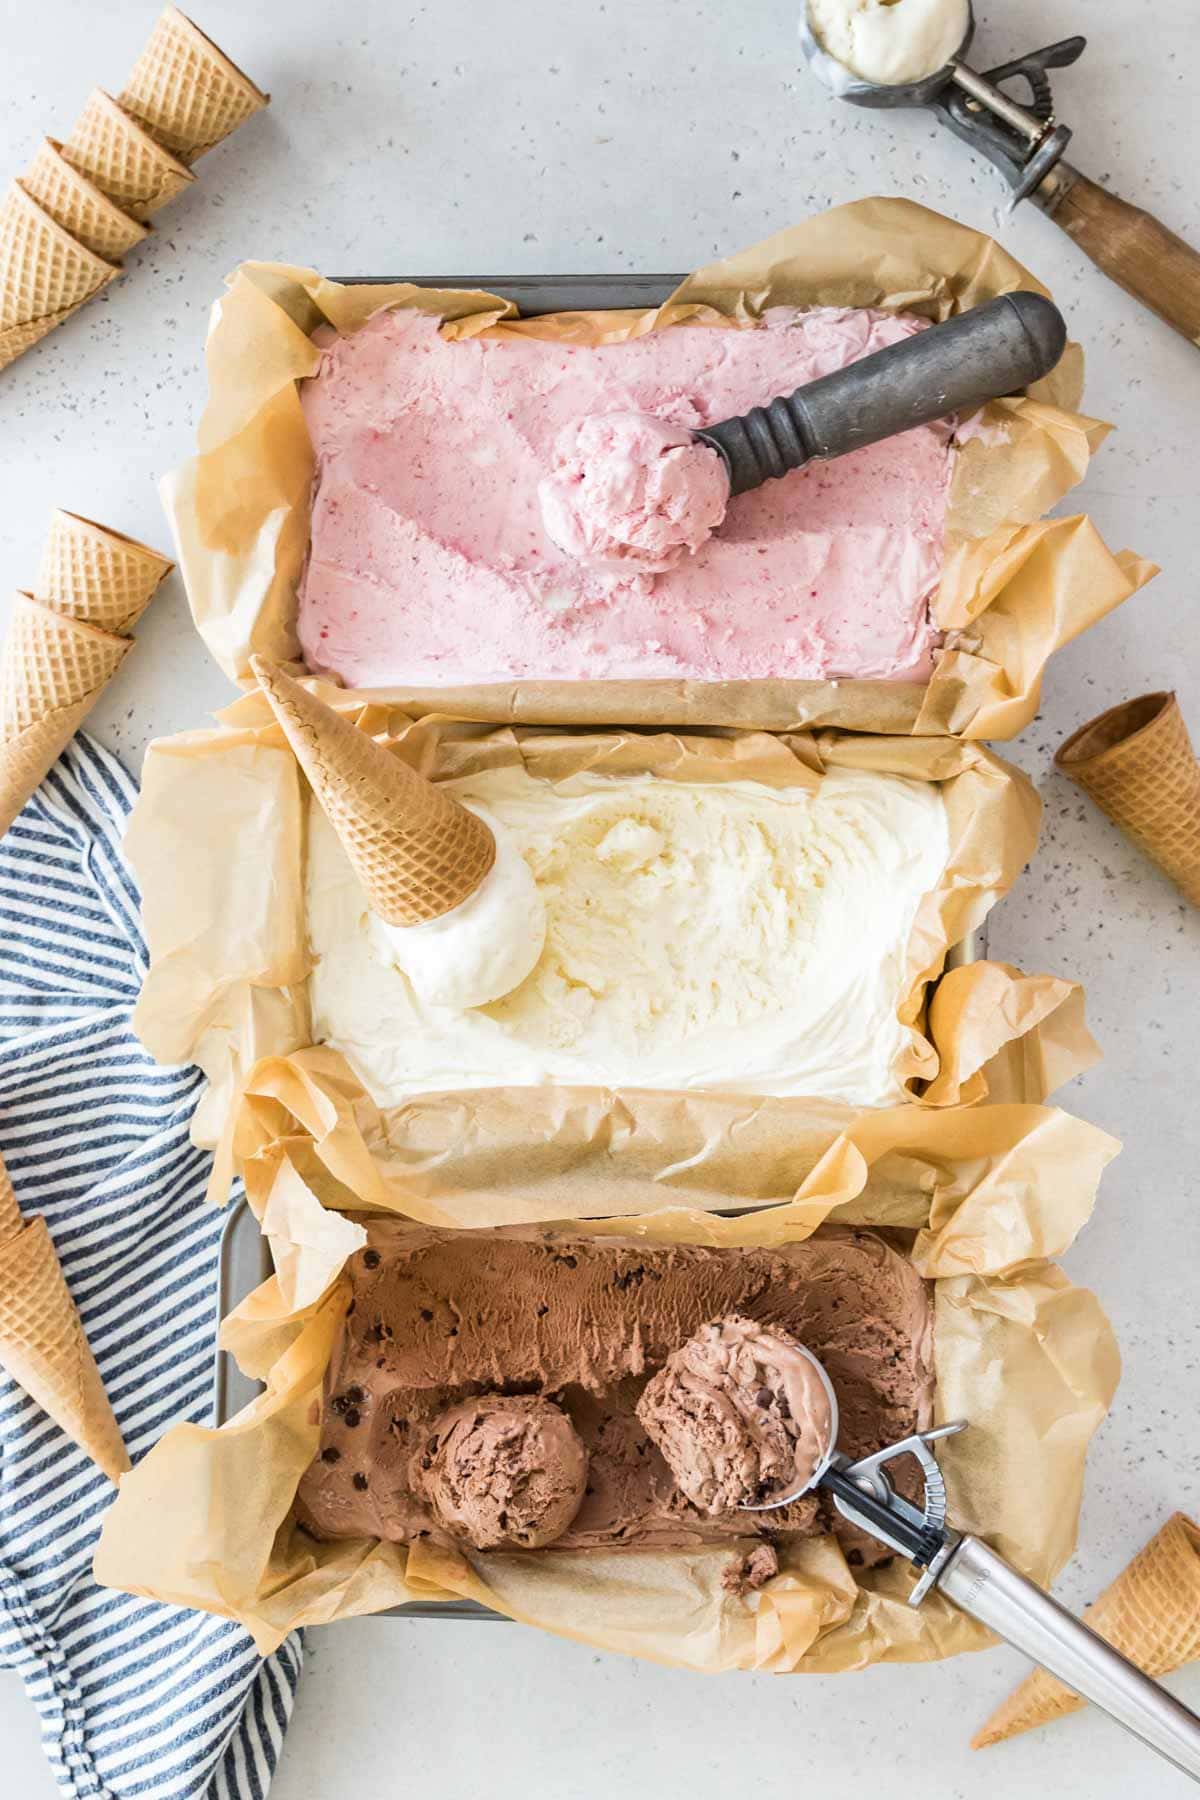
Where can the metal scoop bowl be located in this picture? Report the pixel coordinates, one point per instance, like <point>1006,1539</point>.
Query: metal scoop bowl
<point>983,1585</point>
<point>848,86</point>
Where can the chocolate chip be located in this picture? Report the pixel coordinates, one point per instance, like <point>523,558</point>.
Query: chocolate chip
<point>331,1455</point>
<point>426,1314</point>
<point>453,1331</point>
<point>854,1558</point>
<point>351,1416</point>
<point>371,1259</point>
<point>763,1397</point>
<point>570,1262</point>
<point>360,1482</point>
<point>355,1396</point>
<point>542,1310</point>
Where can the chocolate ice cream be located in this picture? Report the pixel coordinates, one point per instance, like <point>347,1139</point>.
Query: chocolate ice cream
<point>503,1471</point>
<point>438,1318</point>
<point>740,1414</point>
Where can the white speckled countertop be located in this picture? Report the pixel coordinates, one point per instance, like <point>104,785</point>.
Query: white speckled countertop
<point>653,135</point>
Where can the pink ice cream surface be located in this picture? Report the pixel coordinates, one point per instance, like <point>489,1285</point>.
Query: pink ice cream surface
<point>430,564</point>
<point>632,493</point>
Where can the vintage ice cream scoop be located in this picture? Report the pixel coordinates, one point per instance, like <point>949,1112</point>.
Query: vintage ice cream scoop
<point>982,1584</point>
<point>633,491</point>
<point>995,349</point>
<point>1026,143</point>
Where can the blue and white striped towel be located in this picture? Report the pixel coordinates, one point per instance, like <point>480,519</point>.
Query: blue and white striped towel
<point>135,1698</point>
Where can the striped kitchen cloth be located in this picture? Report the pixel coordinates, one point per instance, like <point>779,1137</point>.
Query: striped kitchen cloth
<point>135,1698</point>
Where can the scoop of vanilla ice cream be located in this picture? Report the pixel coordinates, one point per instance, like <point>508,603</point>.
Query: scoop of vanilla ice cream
<point>630,491</point>
<point>483,948</point>
<point>888,42</point>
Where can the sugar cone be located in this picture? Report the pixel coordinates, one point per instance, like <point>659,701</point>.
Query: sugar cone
<point>52,671</point>
<point>10,1213</point>
<point>185,91</point>
<point>79,206</point>
<point>1151,1613</point>
<point>44,273</point>
<point>417,852</point>
<point>1137,763</point>
<point>90,572</point>
<point>122,159</point>
<point>43,1347</point>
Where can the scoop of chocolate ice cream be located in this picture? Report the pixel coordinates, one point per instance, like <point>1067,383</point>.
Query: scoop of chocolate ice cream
<point>503,1471</point>
<point>740,1414</point>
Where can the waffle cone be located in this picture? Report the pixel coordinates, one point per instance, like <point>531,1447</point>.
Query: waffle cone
<point>1137,763</point>
<point>185,91</point>
<point>52,670</point>
<point>11,1221</point>
<point>90,572</point>
<point>417,852</point>
<point>43,1347</point>
<point>79,206</point>
<point>1151,1613</point>
<point>44,273</point>
<point>121,158</point>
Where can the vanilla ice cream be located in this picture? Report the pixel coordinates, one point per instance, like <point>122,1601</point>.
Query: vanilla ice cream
<point>889,42</point>
<point>485,946</point>
<point>726,936</point>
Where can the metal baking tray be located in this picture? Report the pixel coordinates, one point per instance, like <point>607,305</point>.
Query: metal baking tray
<point>537,295</point>
<point>245,1258</point>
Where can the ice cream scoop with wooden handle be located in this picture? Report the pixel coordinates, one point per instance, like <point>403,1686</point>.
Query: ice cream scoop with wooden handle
<point>636,491</point>
<point>42,1341</point>
<point>457,902</point>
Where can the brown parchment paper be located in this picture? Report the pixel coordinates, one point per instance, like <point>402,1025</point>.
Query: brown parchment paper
<point>988,1194</point>
<point>217,840</point>
<point>1013,589</point>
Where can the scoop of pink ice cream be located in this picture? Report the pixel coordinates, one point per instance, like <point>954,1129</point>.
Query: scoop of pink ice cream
<point>628,490</point>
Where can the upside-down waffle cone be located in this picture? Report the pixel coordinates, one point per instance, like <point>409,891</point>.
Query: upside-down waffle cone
<point>185,91</point>
<point>43,1347</point>
<point>79,206</point>
<point>1137,763</point>
<point>10,1213</point>
<point>52,670</point>
<point>92,573</point>
<point>122,159</point>
<point>1151,1613</point>
<point>44,273</point>
<point>416,850</point>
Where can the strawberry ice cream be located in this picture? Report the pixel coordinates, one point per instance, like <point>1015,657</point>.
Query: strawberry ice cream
<point>430,563</point>
<point>631,493</point>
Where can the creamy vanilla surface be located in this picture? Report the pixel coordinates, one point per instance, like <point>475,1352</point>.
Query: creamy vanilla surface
<point>890,42</point>
<point>730,937</point>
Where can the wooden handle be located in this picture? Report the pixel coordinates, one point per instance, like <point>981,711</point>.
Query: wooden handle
<point>1135,251</point>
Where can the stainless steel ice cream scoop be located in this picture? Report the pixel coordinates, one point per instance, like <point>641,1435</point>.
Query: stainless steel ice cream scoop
<point>995,349</point>
<point>982,1584</point>
<point>1026,143</point>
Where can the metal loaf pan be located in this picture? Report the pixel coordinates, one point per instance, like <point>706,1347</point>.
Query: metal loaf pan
<point>245,1258</point>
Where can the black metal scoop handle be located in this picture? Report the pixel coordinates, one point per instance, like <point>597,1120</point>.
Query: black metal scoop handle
<point>995,349</point>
